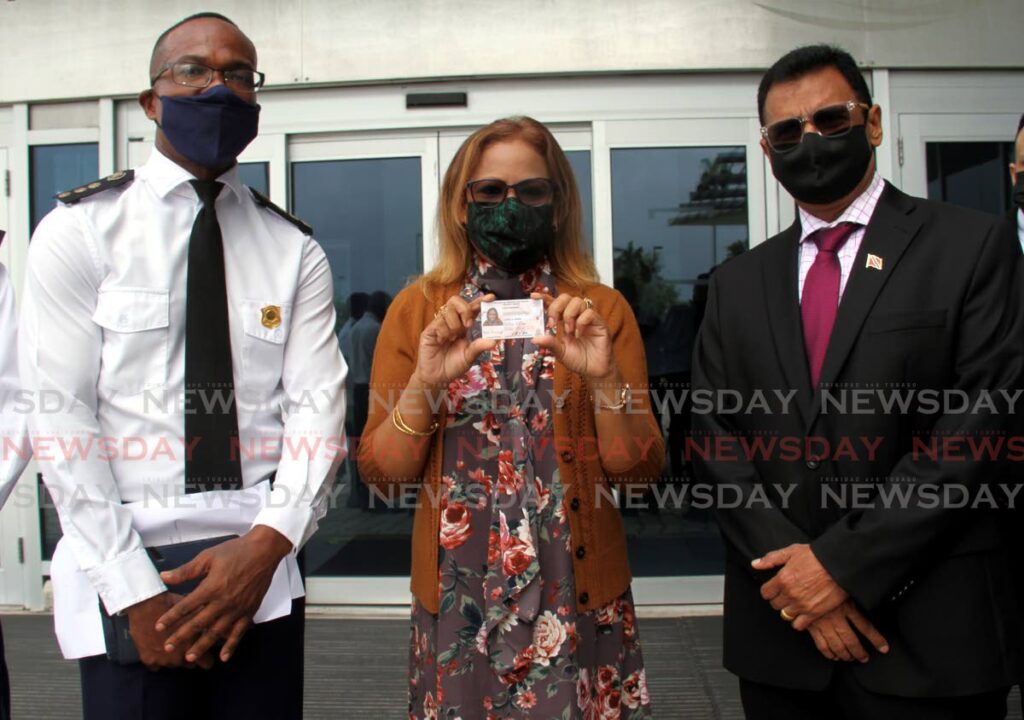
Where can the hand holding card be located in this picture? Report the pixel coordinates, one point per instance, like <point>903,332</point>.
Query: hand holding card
<point>581,341</point>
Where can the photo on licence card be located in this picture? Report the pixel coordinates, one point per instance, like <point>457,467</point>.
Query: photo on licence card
<point>510,319</point>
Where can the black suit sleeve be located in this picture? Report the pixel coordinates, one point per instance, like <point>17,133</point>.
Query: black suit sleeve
<point>873,552</point>
<point>752,529</point>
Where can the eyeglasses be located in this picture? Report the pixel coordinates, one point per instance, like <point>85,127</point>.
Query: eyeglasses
<point>533,192</point>
<point>830,121</point>
<point>198,75</point>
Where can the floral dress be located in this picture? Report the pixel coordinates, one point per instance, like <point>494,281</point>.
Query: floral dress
<point>508,641</point>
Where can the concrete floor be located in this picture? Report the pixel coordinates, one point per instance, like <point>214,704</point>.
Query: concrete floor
<point>346,658</point>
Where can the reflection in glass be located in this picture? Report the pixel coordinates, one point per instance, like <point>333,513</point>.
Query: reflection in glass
<point>56,168</point>
<point>580,162</point>
<point>368,217</point>
<point>676,214</point>
<point>972,174</point>
<point>256,175</point>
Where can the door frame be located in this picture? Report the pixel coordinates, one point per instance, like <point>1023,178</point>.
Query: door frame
<point>918,129</point>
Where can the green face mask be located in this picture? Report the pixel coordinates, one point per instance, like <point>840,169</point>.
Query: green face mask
<point>513,236</point>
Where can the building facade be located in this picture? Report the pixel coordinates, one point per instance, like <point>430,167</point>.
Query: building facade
<point>366,104</point>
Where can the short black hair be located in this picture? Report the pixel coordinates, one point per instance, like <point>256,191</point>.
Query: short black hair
<point>803,60</point>
<point>175,26</point>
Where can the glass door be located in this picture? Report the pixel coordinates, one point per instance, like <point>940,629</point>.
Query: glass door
<point>371,203</point>
<point>14,579</point>
<point>666,201</point>
<point>959,158</point>
<point>675,198</point>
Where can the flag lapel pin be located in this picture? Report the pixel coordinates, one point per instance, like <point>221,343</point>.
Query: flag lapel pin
<point>873,262</point>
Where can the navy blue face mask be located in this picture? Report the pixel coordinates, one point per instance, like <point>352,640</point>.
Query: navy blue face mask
<point>210,129</point>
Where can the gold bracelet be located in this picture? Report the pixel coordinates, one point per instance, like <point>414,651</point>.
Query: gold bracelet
<point>399,423</point>
<point>625,395</point>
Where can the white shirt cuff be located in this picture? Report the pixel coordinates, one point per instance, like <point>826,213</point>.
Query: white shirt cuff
<point>126,580</point>
<point>291,522</point>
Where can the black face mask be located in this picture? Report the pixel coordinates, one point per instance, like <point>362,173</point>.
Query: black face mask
<point>1018,191</point>
<point>821,170</point>
<point>513,236</point>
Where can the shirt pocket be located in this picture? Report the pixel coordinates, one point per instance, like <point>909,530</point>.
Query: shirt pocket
<point>136,330</point>
<point>265,328</point>
<point>906,320</point>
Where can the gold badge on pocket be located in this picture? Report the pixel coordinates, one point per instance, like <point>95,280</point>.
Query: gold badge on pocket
<point>271,316</point>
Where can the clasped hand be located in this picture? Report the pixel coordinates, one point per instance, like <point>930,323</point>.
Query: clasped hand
<point>803,590</point>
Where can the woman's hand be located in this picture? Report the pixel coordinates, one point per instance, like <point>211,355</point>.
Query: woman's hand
<point>444,353</point>
<point>581,341</point>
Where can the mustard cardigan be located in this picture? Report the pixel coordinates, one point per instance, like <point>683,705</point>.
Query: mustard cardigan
<point>598,540</point>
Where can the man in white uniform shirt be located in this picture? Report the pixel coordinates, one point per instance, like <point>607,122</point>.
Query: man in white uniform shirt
<point>14,454</point>
<point>188,325</point>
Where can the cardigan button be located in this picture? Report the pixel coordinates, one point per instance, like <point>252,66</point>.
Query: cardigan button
<point>581,552</point>
<point>574,504</point>
<point>568,456</point>
<point>584,598</point>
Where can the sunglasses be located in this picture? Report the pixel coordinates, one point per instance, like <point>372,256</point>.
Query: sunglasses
<point>533,192</point>
<point>829,121</point>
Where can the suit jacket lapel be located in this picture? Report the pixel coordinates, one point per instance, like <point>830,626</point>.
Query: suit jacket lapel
<point>893,225</point>
<point>781,299</point>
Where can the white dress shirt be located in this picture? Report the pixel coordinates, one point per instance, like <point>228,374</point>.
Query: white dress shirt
<point>860,212</point>
<point>103,330</point>
<point>14,450</point>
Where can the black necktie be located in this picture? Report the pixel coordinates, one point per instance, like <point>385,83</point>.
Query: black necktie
<point>211,418</point>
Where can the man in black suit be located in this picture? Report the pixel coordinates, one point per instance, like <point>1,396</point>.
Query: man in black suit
<point>854,587</point>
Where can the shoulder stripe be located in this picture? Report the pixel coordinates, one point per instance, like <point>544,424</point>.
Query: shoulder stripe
<point>263,201</point>
<point>70,197</point>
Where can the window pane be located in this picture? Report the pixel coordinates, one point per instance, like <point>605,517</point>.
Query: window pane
<point>973,174</point>
<point>580,161</point>
<point>256,175</point>
<point>368,216</point>
<point>676,213</point>
<point>56,168</point>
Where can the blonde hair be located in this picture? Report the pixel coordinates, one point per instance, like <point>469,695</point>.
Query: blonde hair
<point>570,262</point>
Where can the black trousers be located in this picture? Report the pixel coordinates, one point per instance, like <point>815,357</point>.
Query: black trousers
<point>5,683</point>
<point>263,681</point>
<point>846,699</point>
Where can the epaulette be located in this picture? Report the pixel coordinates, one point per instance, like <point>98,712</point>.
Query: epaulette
<point>263,201</point>
<point>70,197</point>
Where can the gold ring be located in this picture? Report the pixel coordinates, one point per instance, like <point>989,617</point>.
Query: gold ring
<point>786,616</point>
<point>441,311</point>
<point>588,303</point>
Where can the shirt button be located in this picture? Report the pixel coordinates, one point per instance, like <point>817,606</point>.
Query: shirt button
<point>574,504</point>
<point>581,552</point>
<point>568,456</point>
<point>813,463</point>
<point>584,598</point>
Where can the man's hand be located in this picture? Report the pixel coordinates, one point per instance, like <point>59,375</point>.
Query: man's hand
<point>803,587</point>
<point>835,638</point>
<point>150,643</point>
<point>236,575</point>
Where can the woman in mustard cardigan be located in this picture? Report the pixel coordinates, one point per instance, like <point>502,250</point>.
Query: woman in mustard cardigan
<point>522,605</point>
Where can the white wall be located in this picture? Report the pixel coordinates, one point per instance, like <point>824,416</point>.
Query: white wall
<point>60,49</point>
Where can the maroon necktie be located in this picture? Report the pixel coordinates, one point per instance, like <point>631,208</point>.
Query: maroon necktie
<point>820,299</point>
